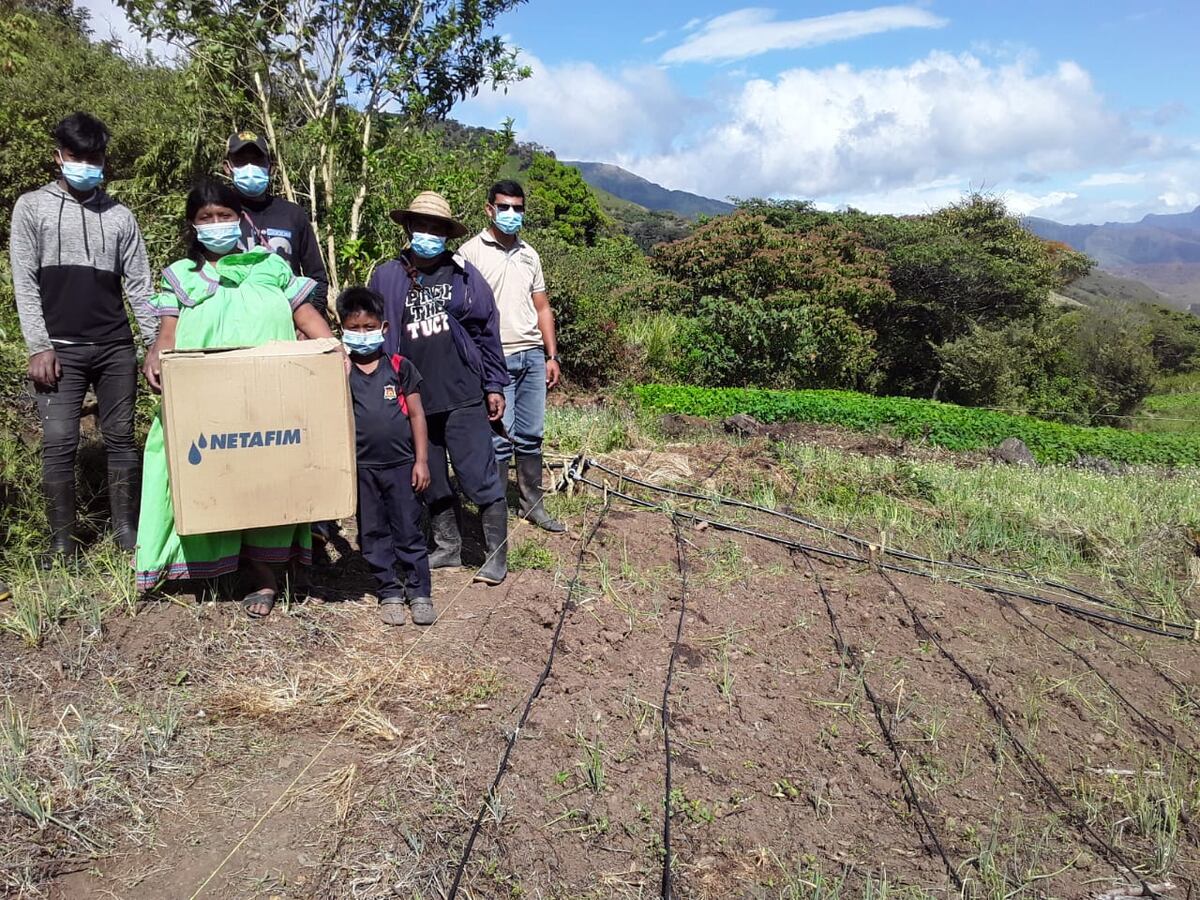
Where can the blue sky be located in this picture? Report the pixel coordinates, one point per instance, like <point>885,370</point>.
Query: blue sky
<point>1075,111</point>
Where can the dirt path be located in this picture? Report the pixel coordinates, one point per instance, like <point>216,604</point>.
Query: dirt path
<point>794,766</point>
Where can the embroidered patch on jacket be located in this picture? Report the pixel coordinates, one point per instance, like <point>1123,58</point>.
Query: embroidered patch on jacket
<point>389,392</point>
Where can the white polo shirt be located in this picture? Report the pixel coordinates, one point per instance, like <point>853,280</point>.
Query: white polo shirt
<point>515,276</point>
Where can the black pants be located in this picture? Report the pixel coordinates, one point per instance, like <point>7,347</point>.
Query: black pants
<point>389,532</point>
<point>465,436</point>
<point>112,370</point>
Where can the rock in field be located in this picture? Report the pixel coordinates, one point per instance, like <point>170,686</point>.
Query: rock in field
<point>1013,452</point>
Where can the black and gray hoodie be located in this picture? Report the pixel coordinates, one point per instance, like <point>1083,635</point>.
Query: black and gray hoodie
<point>69,259</point>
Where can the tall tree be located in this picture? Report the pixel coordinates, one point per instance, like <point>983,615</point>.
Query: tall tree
<point>334,75</point>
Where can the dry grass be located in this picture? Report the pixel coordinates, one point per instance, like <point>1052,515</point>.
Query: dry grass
<point>318,693</point>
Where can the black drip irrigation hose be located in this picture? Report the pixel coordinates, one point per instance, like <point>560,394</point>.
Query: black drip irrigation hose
<point>890,551</point>
<point>1111,853</point>
<point>1181,692</point>
<point>852,656</point>
<point>1169,739</point>
<point>492,796</point>
<point>681,561</point>
<point>1069,608</point>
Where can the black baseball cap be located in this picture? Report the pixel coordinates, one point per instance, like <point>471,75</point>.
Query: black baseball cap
<point>240,139</point>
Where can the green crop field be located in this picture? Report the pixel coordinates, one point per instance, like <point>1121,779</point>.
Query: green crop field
<point>940,424</point>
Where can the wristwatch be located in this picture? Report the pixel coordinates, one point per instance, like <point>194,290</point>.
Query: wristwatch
<point>552,357</point>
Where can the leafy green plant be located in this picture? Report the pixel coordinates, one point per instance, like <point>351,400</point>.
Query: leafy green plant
<point>529,554</point>
<point>940,424</point>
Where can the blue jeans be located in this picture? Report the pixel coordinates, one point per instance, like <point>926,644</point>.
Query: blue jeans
<point>524,405</point>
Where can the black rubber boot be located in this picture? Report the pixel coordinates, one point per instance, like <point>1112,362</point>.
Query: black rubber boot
<point>123,502</point>
<point>60,513</point>
<point>529,483</point>
<point>494,517</point>
<point>444,521</point>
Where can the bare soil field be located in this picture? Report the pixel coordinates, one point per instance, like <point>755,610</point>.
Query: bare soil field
<point>836,729</point>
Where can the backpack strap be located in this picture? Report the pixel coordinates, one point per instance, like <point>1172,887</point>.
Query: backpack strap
<point>397,359</point>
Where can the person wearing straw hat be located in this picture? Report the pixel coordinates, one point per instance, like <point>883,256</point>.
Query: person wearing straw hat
<point>442,317</point>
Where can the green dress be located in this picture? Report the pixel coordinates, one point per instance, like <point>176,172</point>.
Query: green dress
<point>244,300</point>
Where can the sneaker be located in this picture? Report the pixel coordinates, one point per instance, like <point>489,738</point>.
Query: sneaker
<point>422,611</point>
<point>393,612</point>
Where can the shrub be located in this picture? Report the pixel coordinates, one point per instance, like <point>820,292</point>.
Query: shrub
<point>1028,366</point>
<point>594,291</point>
<point>941,424</point>
<point>778,342</point>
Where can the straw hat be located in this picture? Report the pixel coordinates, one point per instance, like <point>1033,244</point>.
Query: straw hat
<point>431,205</point>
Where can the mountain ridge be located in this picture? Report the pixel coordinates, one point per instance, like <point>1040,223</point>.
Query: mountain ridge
<point>1160,250</point>
<point>632,187</point>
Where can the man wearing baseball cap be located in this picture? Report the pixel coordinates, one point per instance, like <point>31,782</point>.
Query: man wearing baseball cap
<point>442,317</point>
<point>270,221</point>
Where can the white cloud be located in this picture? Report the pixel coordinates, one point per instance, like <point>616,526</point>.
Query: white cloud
<point>752,31</point>
<point>657,36</point>
<point>844,131</point>
<point>1024,204</point>
<point>1109,179</point>
<point>898,139</point>
<point>1180,200</point>
<point>584,113</point>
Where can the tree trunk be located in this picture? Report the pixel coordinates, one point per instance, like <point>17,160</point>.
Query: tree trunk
<point>360,196</point>
<point>328,161</point>
<point>264,103</point>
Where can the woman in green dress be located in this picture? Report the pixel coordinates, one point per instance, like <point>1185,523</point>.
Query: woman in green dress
<point>219,297</point>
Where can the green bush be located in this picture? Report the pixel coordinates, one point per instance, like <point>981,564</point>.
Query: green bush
<point>780,342</point>
<point>941,424</point>
<point>595,291</point>
<point>1028,366</point>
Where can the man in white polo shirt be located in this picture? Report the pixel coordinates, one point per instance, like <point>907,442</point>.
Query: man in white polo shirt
<point>514,271</point>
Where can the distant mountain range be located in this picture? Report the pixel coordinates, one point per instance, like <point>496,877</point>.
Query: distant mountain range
<point>1162,251</point>
<point>635,189</point>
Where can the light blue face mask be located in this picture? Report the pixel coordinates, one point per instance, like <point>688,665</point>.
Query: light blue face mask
<point>220,237</point>
<point>362,343</point>
<point>251,180</point>
<point>81,176</point>
<point>427,246</point>
<point>509,221</point>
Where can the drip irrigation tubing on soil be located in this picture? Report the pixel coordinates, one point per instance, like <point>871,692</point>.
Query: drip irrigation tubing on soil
<point>492,796</point>
<point>852,656</point>
<point>1114,856</point>
<point>1148,723</point>
<point>878,546</point>
<point>1176,630</point>
<point>681,561</point>
<point>1188,697</point>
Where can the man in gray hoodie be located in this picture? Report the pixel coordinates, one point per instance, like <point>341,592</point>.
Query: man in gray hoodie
<point>72,249</point>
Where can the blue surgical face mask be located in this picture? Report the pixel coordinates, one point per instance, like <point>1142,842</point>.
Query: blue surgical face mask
<point>509,221</point>
<point>251,180</point>
<point>428,246</point>
<point>362,343</point>
<point>220,237</point>
<point>81,176</point>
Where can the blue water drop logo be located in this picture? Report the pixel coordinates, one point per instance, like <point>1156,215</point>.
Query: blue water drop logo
<point>203,442</point>
<point>194,453</point>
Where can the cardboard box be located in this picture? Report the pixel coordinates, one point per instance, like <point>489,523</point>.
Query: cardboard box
<point>258,436</point>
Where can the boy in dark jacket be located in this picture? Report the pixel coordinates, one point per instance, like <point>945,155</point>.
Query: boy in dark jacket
<point>442,316</point>
<point>392,449</point>
<point>73,248</point>
<point>271,221</point>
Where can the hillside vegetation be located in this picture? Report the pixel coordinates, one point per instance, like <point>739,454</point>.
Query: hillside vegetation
<point>732,688</point>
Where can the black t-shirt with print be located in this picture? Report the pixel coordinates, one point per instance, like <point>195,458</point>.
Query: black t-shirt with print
<point>381,430</point>
<point>425,338</point>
